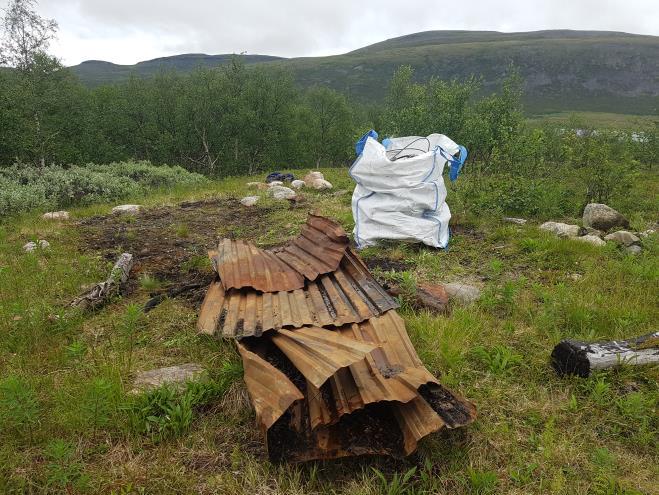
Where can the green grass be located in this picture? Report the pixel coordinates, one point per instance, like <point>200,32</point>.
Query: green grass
<point>69,425</point>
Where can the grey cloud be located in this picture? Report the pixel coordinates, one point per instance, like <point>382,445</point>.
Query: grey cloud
<point>127,31</point>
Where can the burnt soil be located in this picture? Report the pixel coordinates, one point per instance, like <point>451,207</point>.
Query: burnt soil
<point>171,243</point>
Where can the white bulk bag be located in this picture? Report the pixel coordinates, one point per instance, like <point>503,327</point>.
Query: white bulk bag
<point>400,192</point>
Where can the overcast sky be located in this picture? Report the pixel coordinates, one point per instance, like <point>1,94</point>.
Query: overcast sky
<point>127,31</point>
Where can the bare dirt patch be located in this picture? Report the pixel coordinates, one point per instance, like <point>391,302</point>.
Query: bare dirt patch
<point>170,243</point>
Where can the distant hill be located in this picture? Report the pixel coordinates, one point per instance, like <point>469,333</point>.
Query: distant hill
<point>563,70</point>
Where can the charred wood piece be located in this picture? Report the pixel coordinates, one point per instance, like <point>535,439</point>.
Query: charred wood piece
<point>97,295</point>
<point>572,357</point>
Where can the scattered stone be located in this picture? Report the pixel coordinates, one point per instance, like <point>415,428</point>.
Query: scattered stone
<point>575,276</point>
<point>281,192</point>
<point>298,184</point>
<point>518,221</point>
<point>249,200</point>
<point>463,293</point>
<point>56,215</point>
<point>128,209</point>
<point>592,231</point>
<point>32,246</point>
<point>432,297</point>
<point>321,184</point>
<point>591,239</point>
<point>623,238</point>
<point>603,217</point>
<point>175,376</point>
<point>275,183</point>
<point>313,176</point>
<point>634,249</point>
<point>647,233</point>
<point>561,229</point>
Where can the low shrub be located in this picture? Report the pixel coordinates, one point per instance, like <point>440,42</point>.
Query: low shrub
<point>24,187</point>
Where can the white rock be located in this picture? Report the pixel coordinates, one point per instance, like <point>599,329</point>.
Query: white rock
<point>175,376</point>
<point>592,239</point>
<point>129,209</point>
<point>275,183</point>
<point>281,192</point>
<point>298,184</point>
<point>313,176</point>
<point>464,293</point>
<point>249,200</point>
<point>561,229</point>
<point>56,215</point>
<point>32,246</point>
<point>592,231</point>
<point>634,249</point>
<point>647,233</point>
<point>575,276</point>
<point>518,221</point>
<point>321,184</point>
<point>623,238</point>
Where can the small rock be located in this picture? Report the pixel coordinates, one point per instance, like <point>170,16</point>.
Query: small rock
<point>249,200</point>
<point>623,238</point>
<point>518,221</point>
<point>275,183</point>
<point>298,184</point>
<point>32,246</point>
<point>592,231</point>
<point>592,239</point>
<point>647,233</point>
<point>281,192</point>
<point>253,184</point>
<point>311,177</point>
<point>321,184</point>
<point>602,217</point>
<point>432,297</point>
<point>176,376</point>
<point>463,293</point>
<point>634,249</point>
<point>56,215</point>
<point>575,276</point>
<point>129,209</point>
<point>561,229</point>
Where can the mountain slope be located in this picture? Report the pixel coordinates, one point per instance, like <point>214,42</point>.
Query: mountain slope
<point>563,70</point>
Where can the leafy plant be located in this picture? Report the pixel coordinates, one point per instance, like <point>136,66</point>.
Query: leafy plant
<point>19,407</point>
<point>63,470</point>
<point>499,359</point>
<point>482,482</point>
<point>398,484</point>
<point>129,326</point>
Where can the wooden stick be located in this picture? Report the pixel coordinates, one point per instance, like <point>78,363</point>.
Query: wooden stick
<point>572,357</point>
<point>101,292</point>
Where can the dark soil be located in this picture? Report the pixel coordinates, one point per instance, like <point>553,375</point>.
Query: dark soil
<point>170,243</point>
<point>387,265</point>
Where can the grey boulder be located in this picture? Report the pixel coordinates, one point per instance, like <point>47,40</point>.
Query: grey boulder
<point>623,238</point>
<point>174,376</point>
<point>591,239</point>
<point>463,293</point>
<point>561,229</point>
<point>602,217</point>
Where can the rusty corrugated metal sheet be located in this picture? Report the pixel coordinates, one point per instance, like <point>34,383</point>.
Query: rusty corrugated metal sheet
<point>241,264</point>
<point>392,372</point>
<point>318,249</point>
<point>272,393</point>
<point>318,353</point>
<point>347,295</point>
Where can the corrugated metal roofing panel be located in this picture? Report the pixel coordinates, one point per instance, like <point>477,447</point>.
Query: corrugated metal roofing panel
<point>318,353</point>
<point>391,372</point>
<point>318,249</point>
<point>271,391</point>
<point>350,294</point>
<point>241,264</point>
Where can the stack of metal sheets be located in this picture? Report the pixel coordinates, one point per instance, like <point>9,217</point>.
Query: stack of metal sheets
<point>328,363</point>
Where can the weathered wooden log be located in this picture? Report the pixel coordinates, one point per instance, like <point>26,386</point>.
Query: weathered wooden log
<point>572,357</point>
<point>100,293</point>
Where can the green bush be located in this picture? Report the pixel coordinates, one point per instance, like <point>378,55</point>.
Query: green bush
<point>24,187</point>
